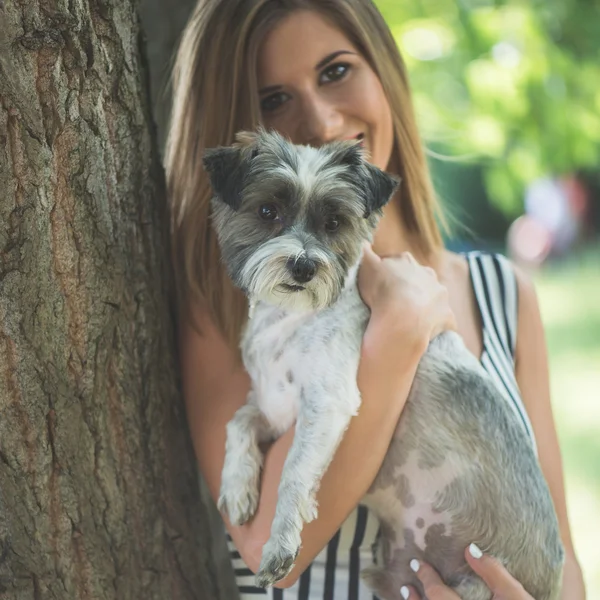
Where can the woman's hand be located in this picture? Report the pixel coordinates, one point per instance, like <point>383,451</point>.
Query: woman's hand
<point>409,307</point>
<point>495,576</point>
<point>404,295</point>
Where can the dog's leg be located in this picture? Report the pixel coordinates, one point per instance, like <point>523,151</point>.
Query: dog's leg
<point>243,462</point>
<point>319,430</point>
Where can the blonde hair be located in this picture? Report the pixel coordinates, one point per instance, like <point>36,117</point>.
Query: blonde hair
<point>215,95</point>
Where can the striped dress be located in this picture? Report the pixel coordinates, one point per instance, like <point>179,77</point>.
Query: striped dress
<point>334,574</point>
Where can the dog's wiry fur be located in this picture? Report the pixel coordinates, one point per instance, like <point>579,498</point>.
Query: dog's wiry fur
<point>460,467</point>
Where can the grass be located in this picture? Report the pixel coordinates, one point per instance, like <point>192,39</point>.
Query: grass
<point>569,295</point>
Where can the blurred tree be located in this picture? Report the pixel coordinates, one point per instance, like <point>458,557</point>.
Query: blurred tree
<point>511,84</point>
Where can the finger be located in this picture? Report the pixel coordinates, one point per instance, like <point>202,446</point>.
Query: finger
<point>408,592</point>
<point>369,254</point>
<point>493,573</point>
<point>434,587</point>
<point>369,260</point>
<point>367,274</point>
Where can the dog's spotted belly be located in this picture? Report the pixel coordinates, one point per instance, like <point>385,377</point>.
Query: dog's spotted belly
<point>410,497</point>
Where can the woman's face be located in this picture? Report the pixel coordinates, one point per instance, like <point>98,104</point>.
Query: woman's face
<point>315,87</point>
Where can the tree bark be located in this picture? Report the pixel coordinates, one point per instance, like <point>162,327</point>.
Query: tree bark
<point>99,494</point>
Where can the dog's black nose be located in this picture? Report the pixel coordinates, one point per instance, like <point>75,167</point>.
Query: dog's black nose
<point>302,269</point>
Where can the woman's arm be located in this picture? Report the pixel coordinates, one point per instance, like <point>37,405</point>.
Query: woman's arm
<point>408,307</point>
<point>533,379</point>
<point>534,383</point>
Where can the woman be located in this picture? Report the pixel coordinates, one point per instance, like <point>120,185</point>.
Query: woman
<point>319,70</point>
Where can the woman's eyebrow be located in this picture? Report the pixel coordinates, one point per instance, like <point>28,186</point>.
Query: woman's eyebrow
<point>270,89</point>
<point>331,57</point>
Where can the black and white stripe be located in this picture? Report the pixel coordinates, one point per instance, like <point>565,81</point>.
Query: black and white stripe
<point>495,288</point>
<point>335,573</point>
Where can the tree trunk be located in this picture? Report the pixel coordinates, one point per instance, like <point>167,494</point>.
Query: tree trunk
<point>99,494</point>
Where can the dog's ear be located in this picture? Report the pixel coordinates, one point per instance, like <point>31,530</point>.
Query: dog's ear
<point>378,186</point>
<point>227,168</point>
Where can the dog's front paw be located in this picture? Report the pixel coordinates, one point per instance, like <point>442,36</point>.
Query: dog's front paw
<point>277,560</point>
<point>238,502</point>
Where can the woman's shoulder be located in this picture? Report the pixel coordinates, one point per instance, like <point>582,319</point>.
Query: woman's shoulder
<point>483,292</point>
<point>464,267</point>
<point>468,257</point>
<point>492,277</point>
<point>494,265</point>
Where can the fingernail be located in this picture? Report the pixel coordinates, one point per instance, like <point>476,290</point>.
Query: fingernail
<point>405,593</point>
<point>474,551</point>
<point>414,565</point>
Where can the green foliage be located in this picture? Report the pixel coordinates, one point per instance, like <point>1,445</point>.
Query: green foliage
<point>513,85</point>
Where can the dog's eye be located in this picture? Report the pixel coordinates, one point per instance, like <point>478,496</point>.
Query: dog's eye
<point>332,224</point>
<point>268,212</point>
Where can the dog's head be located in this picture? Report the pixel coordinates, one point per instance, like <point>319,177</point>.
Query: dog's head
<point>291,220</point>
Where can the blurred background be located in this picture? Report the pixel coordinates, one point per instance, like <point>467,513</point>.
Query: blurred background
<point>508,100</point>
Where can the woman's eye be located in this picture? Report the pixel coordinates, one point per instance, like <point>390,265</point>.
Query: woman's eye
<point>332,224</point>
<point>334,72</point>
<point>273,102</point>
<point>268,212</point>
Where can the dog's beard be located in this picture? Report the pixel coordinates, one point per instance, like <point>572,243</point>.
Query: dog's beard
<point>265,276</point>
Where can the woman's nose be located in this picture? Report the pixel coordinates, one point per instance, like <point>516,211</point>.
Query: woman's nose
<point>321,122</point>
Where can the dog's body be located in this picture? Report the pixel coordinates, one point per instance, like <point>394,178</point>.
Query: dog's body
<point>460,467</point>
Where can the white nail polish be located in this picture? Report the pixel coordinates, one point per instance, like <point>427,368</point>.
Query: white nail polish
<point>405,593</point>
<point>474,551</point>
<point>414,565</point>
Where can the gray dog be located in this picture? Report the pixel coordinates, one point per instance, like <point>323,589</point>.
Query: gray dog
<point>291,222</point>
